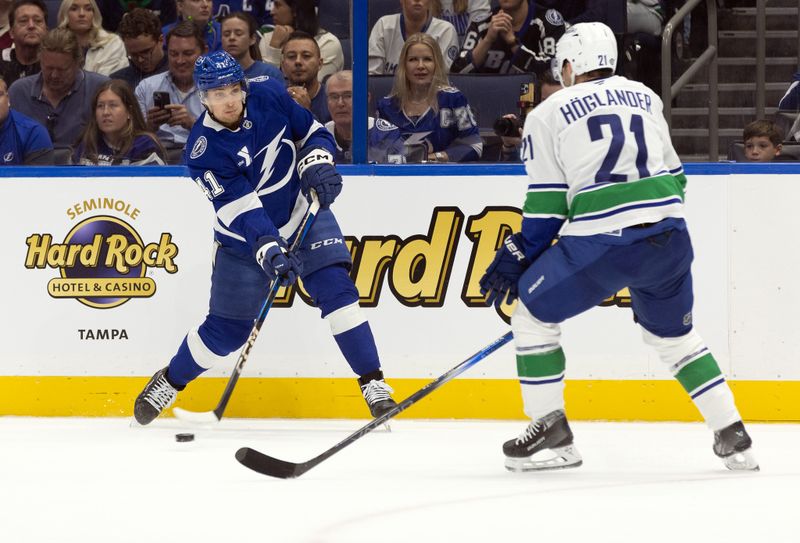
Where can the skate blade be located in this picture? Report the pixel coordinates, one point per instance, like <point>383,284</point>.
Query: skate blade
<point>741,461</point>
<point>563,458</point>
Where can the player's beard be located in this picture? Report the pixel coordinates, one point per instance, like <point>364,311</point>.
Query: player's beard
<point>230,126</point>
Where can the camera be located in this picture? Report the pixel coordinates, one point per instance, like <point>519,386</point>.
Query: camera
<point>508,127</point>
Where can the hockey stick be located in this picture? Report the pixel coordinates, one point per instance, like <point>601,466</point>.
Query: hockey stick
<point>211,417</point>
<point>268,465</point>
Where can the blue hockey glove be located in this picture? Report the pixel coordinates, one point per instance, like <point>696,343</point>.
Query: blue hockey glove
<point>500,280</point>
<point>317,172</point>
<point>277,261</point>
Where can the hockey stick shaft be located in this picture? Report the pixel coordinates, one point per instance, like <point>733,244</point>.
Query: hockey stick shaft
<point>303,229</point>
<point>282,469</point>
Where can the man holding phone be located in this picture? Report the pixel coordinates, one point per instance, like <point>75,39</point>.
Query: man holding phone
<point>170,99</point>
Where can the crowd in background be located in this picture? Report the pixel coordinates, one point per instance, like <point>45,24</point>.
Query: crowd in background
<point>111,82</point>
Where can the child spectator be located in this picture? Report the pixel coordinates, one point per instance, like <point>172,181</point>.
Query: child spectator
<point>762,141</point>
<point>116,133</point>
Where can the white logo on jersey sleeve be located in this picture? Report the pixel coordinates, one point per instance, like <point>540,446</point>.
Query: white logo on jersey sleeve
<point>199,147</point>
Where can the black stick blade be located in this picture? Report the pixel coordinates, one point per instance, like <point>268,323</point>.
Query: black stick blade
<point>267,465</point>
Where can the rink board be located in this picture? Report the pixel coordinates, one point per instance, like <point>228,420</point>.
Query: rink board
<point>104,273</point>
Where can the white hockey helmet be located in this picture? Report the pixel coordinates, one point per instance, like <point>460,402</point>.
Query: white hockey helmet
<point>587,47</point>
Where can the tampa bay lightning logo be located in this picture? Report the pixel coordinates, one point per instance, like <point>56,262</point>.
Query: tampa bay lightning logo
<point>9,156</point>
<point>247,124</point>
<point>452,51</point>
<point>199,147</point>
<point>383,125</point>
<point>554,17</point>
<point>275,163</point>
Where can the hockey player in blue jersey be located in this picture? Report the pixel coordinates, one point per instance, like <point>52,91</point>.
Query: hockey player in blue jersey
<point>603,174</point>
<point>257,155</point>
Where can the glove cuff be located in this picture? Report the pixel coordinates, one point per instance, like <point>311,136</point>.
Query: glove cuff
<point>313,158</point>
<point>265,243</point>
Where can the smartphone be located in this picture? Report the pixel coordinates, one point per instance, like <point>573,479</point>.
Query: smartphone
<point>160,99</point>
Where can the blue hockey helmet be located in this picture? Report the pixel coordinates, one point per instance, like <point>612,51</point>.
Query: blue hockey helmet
<point>217,69</point>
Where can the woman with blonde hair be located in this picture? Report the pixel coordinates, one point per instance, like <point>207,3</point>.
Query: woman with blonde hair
<point>116,133</point>
<point>104,52</point>
<point>426,109</point>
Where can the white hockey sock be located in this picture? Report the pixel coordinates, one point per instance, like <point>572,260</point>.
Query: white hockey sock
<point>692,364</point>
<point>540,363</point>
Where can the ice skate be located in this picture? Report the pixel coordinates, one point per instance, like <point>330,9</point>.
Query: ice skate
<point>158,394</point>
<point>550,434</point>
<point>734,446</point>
<point>376,393</point>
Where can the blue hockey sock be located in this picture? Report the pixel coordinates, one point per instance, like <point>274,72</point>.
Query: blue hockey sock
<point>358,347</point>
<point>336,296</point>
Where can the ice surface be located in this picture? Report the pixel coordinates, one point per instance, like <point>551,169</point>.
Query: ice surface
<point>99,480</point>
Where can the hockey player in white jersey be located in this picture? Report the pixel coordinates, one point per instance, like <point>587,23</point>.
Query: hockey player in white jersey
<point>602,172</point>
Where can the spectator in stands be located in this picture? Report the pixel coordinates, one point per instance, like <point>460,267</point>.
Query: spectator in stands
<point>22,140</point>
<point>389,33</point>
<point>545,86</point>
<point>519,35</point>
<point>646,16</point>
<point>58,97</point>
<point>140,31</point>
<point>114,10</point>
<point>259,10</point>
<point>171,123</point>
<point>300,15</point>
<point>5,26</point>
<point>460,13</point>
<point>762,141</point>
<point>199,12</point>
<point>791,99</point>
<point>426,109</point>
<point>384,141</point>
<point>301,65</point>
<point>28,19</point>
<point>116,133</point>
<point>104,51</point>
<point>240,40</point>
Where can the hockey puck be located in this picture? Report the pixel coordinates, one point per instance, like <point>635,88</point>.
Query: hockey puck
<point>183,438</point>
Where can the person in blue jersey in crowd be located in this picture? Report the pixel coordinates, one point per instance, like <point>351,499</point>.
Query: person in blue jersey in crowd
<point>241,152</point>
<point>198,11</point>
<point>384,141</point>
<point>426,109</point>
<point>240,40</point>
<point>604,176</point>
<point>23,141</point>
<point>257,10</point>
<point>116,134</point>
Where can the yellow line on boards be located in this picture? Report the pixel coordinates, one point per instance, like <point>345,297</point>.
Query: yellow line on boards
<point>341,398</point>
